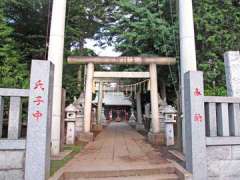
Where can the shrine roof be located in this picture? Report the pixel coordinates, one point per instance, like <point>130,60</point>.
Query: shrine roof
<point>114,99</point>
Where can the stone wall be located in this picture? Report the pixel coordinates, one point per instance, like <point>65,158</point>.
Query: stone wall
<point>223,162</point>
<point>12,164</point>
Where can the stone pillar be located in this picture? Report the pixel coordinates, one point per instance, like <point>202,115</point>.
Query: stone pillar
<point>62,131</point>
<point>55,55</point>
<point>187,48</point>
<point>232,70</point>
<point>100,100</point>
<point>88,101</point>
<point>103,118</point>
<point>163,91</point>
<point>15,122</point>
<point>195,137</point>
<point>70,137</point>
<point>1,115</point>
<point>37,163</point>
<point>139,125</point>
<point>154,135</point>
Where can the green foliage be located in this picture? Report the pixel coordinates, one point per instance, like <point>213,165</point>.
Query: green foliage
<point>57,164</point>
<point>143,28</point>
<point>217,25</point>
<point>12,72</point>
<point>70,74</point>
<point>151,28</point>
<point>29,20</point>
<point>138,28</point>
<point>83,19</point>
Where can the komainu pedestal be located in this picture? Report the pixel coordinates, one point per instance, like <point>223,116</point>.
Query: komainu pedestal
<point>86,137</point>
<point>156,138</point>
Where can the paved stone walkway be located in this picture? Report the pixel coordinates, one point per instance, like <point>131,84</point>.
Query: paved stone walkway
<point>117,147</point>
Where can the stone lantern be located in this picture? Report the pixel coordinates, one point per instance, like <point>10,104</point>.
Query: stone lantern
<point>170,114</point>
<point>71,116</point>
<point>79,104</point>
<point>132,119</point>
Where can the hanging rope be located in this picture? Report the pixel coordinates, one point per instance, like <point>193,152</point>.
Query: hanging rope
<point>133,88</point>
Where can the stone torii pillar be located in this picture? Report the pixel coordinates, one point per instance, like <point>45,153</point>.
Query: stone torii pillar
<point>55,55</point>
<point>100,100</point>
<point>154,135</point>
<point>88,102</point>
<point>139,125</point>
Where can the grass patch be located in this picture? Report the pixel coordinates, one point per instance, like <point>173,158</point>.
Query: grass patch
<point>57,164</point>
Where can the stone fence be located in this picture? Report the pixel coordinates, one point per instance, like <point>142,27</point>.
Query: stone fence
<point>12,148</point>
<point>212,132</point>
<point>223,137</point>
<point>27,158</point>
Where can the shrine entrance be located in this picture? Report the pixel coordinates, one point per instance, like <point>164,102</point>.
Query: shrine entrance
<point>155,135</point>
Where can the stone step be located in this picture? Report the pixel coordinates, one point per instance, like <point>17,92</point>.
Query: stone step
<point>165,169</point>
<point>148,177</point>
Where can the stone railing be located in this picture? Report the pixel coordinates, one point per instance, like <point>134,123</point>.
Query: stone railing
<point>27,158</point>
<point>212,132</point>
<point>12,148</point>
<point>222,116</point>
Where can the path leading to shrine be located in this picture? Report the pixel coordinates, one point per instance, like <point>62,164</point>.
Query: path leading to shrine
<point>119,152</point>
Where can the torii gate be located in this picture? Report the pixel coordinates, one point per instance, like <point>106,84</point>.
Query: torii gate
<point>154,136</point>
<point>56,46</point>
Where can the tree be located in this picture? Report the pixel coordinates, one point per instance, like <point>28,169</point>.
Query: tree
<point>217,25</point>
<point>143,28</point>
<point>151,28</point>
<point>71,81</point>
<point>29,21</point>
<point>13,73</point>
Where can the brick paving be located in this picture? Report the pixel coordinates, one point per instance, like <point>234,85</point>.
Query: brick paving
<point>117,148</point>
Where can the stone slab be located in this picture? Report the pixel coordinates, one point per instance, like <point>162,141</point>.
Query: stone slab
<point>12,160</point>
<point>12,175</point>
<point>219,153</point>
<point>224,168</point>
<point>7,144</point>
<point>14,92</point>
<point>232,69</point>
<point>236,152</point>
<point>215,141</point>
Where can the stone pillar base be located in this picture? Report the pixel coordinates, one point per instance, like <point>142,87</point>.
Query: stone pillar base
<point>85,137</point>
<point>156,138</point>
<point>132,123</point>
<point>140,127</point>
<point>97,127</point>
<point>104,123</point>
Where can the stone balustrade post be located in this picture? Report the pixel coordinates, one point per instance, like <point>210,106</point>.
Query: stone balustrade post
<point>37,164</point>
<point>195,137</point>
